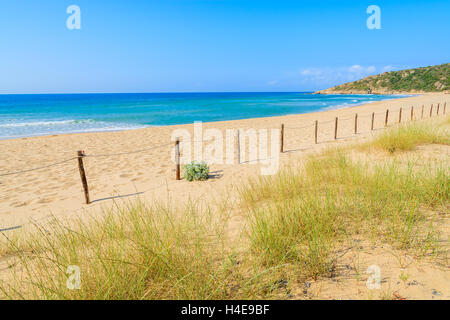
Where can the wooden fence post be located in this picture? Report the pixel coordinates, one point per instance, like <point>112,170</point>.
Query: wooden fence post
<point>445,105</point>
<point>238,147</point>
<point>177,159</point>
<point>423,107</point>
<point>400,116</point>
<point>437,109</point>
<point>335,128</point>
<point>431,110</point>
<point>282,139</point>
<point>373,119</point>
<point>386,120</point>
<point>316,131</point>
<point>356,123</point>
<point>80,155</point>
<point>412,113</point>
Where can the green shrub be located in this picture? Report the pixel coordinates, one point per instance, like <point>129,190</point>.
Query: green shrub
<point>196,171</point>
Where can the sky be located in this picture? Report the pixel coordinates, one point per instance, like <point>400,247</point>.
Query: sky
<point>212,45</point>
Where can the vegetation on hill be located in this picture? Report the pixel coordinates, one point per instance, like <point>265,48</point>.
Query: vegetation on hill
<point>419,80</point>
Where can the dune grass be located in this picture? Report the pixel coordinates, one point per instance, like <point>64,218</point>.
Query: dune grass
<point>302,217</point>
<point>135,252</point>
<point>299,221</point>
<point>407,137</point>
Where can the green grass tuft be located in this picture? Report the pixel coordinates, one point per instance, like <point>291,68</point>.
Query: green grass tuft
<point>302,217</point>
<point>299,221</point>
<point>135,252</point>
<point>406,138</point>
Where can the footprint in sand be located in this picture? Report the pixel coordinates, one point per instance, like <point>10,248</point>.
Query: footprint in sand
<point>21,204</point>
<point>45,200</point>
<point>125,175</point>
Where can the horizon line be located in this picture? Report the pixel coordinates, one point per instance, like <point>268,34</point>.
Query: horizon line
<point>156,92</point>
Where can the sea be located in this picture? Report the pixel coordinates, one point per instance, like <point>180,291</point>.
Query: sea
<point>47,114</point>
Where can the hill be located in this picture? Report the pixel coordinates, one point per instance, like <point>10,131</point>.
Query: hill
<point>418,80</point>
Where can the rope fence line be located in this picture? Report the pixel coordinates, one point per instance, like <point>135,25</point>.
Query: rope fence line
<point>36,222</point>
<point>341,119</point>
<point>126,153</point>
<point>367,115</point>
<point>344,119</point>
<point>167,144</point>
<point>38,168</point>
<point>304,127</point>
<point>84,156</point>
<point>81,155</point>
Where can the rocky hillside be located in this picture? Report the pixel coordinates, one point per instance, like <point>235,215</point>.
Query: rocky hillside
<point>419,80</point>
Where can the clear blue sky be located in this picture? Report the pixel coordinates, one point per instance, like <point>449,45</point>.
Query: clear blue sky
<point>212,45</point>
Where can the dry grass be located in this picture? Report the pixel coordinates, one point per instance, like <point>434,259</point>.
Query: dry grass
<point>407,137</point>
<point>302,217</point>
<point>135,252</point>
<point>297,221</point>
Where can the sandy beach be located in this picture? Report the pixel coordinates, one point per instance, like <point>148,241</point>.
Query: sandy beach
<point>224,151</point>
<point>58,191</point>
<point>35,196</point>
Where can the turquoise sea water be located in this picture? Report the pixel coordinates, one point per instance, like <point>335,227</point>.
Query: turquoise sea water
<point>34,115</point>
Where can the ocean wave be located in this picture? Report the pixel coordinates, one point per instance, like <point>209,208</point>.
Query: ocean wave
<point>345,105</point>
<point>20,134</point>
<point>43,128</point>
<point>45,123</point>
<point>125,113</point>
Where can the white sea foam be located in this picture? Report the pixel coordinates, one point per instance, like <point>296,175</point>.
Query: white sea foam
<point>41,128</point>
<point>32,122</point>
<point>345,105</point>
<point>43,123</point>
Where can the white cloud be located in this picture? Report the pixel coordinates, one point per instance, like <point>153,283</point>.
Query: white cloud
<point>388,68</point>
<point>311,72</point>
<point>326,76</point>
<point>355,68</point>
<point>371,69</point>
<point>335,75</point>
<point>360,69</point>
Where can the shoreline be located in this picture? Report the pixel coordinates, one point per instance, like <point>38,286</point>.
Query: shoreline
<point>58,190</point>
<point>326,109</point>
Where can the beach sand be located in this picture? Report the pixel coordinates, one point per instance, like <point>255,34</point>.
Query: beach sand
<point>58,191</point>
<point>37,195</point>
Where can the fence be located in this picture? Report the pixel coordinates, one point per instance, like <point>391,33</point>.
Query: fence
<point>316,126</point>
